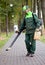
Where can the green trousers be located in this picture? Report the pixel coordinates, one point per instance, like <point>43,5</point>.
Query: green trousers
<point>30,43</point>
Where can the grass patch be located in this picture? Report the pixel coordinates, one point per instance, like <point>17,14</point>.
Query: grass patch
<point>4,38</point>
<point>43,38</point>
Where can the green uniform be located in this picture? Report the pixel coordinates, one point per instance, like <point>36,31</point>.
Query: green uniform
<point>29,24</point>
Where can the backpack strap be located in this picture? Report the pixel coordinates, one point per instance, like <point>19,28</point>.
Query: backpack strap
<point>34,19</point>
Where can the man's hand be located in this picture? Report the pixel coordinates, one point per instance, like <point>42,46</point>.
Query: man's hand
<point>16,31</point>
<point>38,29</point>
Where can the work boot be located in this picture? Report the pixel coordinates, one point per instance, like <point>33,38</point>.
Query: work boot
<point>31,55</point>
<point>27,54</point>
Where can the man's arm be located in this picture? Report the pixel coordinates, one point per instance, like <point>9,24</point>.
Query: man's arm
<point>22,25</point>
<point>37,21</point>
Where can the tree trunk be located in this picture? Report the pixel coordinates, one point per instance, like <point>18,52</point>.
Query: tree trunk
<point>26,2</point>
<point>7,30</point>
<point>43,10</point>
<point>30,4</point>
<point>0,28</point>
<point>0,25</point>
<point>39,8</point>
<point>34,5</point>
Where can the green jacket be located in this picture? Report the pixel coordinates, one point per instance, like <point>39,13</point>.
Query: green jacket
<point>29,24</point>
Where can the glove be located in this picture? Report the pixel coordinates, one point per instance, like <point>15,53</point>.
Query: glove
<point>37,29</point>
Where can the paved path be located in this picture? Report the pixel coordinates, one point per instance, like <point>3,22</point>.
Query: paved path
<point>16,56</point>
